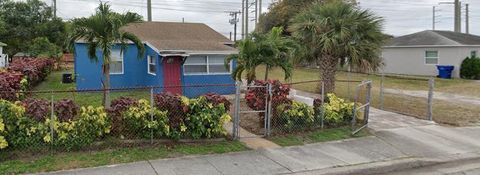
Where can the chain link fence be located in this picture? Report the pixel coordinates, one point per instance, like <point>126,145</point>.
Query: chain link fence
<point>75,120</point>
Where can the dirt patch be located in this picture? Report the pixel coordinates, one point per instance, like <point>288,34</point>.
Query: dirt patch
<point>249,121</point>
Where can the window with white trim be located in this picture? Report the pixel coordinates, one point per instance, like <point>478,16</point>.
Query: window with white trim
<point>211,64</point>
<point>473,54</point>
<point>116,62</point>
<point>152,63</point>
<point>431,57</point>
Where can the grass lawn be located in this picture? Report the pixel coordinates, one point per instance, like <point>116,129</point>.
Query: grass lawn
<point>443,111</point>
<point>317,136</point>
<point>54,82</point>
<point>71,160</point>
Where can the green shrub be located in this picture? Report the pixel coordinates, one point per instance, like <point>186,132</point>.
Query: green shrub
<point>470,69</point>
<point>337,110</point>
<point>137,121</point>
<point>295,116</point>
<point>204,119</point>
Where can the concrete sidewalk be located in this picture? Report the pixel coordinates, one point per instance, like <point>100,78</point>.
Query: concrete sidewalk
<point>390,149</point>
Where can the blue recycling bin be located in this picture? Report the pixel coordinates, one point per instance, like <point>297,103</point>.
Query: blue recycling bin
<point>445,71</point>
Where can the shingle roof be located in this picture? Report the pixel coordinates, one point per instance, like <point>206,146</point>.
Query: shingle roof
<point>435,38</point>
<point>167,36</point>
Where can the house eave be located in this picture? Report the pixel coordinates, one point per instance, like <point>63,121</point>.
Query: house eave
<point>429,46</point>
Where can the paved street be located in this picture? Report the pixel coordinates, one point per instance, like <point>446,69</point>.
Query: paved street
<point>471,167</point>
<point>400,143</point>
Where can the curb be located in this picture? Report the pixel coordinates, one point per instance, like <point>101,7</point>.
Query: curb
<point>392,165</point>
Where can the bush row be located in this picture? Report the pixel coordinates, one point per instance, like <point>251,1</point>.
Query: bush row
<point>289,115</point>
<point>27,123</point>
<point>22,74</point>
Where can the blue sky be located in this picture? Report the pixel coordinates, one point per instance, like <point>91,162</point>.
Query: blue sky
<point>401,16</point>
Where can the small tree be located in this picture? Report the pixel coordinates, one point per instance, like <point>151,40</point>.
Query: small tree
<point>42,47</point>
<point>271,49</point>
<point>102,31</point>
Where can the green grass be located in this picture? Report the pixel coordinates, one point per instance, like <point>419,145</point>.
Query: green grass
<point>71,160</point>
<point>443,111</point>
<point>54,83</point>
<point>317,136</point>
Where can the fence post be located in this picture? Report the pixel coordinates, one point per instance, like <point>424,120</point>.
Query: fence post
<point>52,117</point>
<point>382,91</point>
<point>236,117</point>
<point>151,114</point>
<point>431,84</point>
<point>323,106</point>
<point>269,109</point>
<point>368,100</point>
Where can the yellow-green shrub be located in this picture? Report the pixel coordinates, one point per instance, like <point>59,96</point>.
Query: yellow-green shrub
<point>90,125</point>
<point>294,116</point>
<point>138,122</point>
<point>16,130</point>
<point>337,110</point>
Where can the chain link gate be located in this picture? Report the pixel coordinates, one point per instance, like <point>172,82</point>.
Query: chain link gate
<point>361,123</point>
<point>238,111</point>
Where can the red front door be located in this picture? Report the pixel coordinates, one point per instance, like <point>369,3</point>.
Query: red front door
<point>171,74</point>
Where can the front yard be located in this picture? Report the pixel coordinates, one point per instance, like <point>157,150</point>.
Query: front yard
<point>447,112</point>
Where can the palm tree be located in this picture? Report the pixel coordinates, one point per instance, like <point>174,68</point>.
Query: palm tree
<point>247,60</point>
<point>278,51</point>
<point>102,31</point>
<point>271,50</point>
<point>339,33</point>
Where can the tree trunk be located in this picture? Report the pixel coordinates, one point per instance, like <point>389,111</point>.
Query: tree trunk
<point>328,69</point>
<point>266,72</point>
<point>106,86</point>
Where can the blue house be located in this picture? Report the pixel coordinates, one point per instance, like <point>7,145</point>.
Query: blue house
<point>183,58</point>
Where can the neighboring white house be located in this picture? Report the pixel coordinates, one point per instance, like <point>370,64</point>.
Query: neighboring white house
<point>3,57</point>
<point>420,53</point>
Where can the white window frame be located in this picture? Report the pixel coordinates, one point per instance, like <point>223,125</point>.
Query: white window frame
<point>208,67</point>
<point>121,59</point>
<point>425,57</point>
<point>150,63</point>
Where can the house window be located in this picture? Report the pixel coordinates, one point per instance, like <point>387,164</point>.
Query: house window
<point>116,62</point>
<point>431,57</point>
<point>473,54</point>
<point>152,62</point>
<point>212,64</point>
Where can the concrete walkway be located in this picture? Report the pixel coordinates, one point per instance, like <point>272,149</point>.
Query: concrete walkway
<point>400,142</point>
<point>437,95</point>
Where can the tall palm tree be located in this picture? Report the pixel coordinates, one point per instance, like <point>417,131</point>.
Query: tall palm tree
<point>339,33</point>
<point>102,31</point>
<point>271,50</point>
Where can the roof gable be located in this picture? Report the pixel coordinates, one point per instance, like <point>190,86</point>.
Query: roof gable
<point>435,38</point>
<point>167,36</point>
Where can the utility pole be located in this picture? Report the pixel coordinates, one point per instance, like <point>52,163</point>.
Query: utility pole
<point>256,12</point>
<point>467,20</point>
<point>433,22</point>
<point>259,8</point>
<point>243,19</point>
<point>234,22</point>
<point>55,8</point>
<point>149,10</point>
<point>435,16</point>
<point>246,17</point>
<point>458,16</point>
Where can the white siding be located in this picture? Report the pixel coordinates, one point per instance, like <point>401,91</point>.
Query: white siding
<point>411,61</point>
